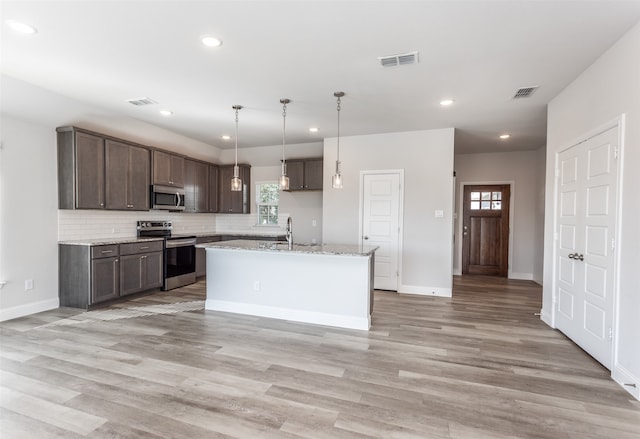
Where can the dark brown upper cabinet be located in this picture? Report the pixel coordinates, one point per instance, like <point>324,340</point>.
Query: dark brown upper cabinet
<point>196,186</point>
<point>305,174</point>
<point>127,176</point>
<point>81,183</point>
<point>168,169</point>
<point>98,172</point>
<point>230,201</point>
<point>213,188</point>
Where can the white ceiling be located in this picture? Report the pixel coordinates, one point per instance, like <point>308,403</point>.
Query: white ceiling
<point>476,52</point>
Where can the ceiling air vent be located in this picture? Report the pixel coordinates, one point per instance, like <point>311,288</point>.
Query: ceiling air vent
<point>399,60</point>
<point>142,101</point>
<point>525,92</point>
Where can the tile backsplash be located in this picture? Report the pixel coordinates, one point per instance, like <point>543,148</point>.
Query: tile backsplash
<point>98,224</point>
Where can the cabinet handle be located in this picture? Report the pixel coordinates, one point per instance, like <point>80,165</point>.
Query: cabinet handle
<point>101,204</point>
<point>106,251</point>
<point>116,260</point>
<point>144,248</point>
<point>143,257</point>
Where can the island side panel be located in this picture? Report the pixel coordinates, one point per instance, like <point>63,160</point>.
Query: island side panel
<point>324,289</point>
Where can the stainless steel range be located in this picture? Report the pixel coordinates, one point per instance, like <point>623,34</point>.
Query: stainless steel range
<point>179,253</point>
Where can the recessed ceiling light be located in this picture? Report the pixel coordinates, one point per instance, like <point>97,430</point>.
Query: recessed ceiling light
<point>314,129</point>
<point>446,102</point>
<point>210,41</point>
<point>24,28</point>
<point>505,136</point>
<point>225,137</point>
<point>166,113</point>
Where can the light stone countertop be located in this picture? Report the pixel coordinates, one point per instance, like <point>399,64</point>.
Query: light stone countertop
<point>107,241</point>
<point>314,249</point>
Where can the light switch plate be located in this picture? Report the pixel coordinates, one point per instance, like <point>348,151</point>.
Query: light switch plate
<point>439,214</point>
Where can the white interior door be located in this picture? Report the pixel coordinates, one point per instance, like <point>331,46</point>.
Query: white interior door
<point>381,225</point>
<point>585,227</point>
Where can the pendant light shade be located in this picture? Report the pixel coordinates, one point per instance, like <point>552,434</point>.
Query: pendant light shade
<point>283,181</point>
<point>336,180</point>
<point>236,182</point>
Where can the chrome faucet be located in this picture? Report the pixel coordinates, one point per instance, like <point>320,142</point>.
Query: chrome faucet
<point>289,233</point>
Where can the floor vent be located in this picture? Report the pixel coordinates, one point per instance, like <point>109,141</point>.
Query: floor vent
<point>142,101</point>
<point>399,60</point>
<point>525,92</point>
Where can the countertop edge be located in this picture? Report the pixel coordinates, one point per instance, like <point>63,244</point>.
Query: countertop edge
<point>269,247</point>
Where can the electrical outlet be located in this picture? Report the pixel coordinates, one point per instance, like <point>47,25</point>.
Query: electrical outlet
<point>314,223</point>
<point>256,285</point>
<point>28,284</point>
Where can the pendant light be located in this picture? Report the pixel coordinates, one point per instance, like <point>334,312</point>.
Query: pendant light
<point>336,180</point>
<point>283,182</point>
<point>236,182</point>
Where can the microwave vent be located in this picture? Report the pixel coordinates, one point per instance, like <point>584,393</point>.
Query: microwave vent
<point>142,101</point>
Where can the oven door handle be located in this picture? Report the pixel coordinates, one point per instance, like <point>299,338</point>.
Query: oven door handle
<point>173,243</point>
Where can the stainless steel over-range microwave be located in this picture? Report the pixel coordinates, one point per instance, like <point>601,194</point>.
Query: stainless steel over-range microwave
<point>167,197</point>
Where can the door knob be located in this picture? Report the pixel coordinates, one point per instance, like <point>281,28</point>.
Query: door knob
<point>365,237</point>
<point>576,256</point>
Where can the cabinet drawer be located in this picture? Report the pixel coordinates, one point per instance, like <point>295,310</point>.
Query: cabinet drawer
<point>140,247</point>
<point>104,251</point>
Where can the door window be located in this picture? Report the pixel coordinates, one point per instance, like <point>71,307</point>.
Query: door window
<point>482,200</point>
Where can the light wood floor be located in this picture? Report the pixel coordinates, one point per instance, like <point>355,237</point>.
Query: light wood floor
<point>479,365</point>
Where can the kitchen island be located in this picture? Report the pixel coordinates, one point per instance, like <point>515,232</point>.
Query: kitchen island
<point>322,284</point>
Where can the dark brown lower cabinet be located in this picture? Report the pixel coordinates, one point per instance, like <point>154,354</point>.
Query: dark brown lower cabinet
<point>105,274</point>
<point>140,272</point>
<point>91,274</point>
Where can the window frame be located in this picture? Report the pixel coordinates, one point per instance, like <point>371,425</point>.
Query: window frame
<point>272,220</point>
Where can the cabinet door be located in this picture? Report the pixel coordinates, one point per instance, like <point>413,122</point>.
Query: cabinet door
<point>224,189</point>
<point>168,169</point>
<point>202,187</point>
<point>138,181</point>
<point>213,188</point>
<point>140,272</point>
<point>196,182</point>
<point>230,201</point>
<point>89,171</point>
<point>117,175</point>
<point>152,273</point>
<point>313,174</point>
<point>161,168</point>
<point>177,171</point>
<point>131,274</point>
<point>295,172</point>
<point>189,186</point>
<point>105,276</point>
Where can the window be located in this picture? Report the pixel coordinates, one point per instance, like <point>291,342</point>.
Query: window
<point>267,196</point>
<point>486,200</point>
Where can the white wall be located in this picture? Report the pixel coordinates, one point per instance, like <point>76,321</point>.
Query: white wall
<point>538,255</point>
<point>28,192</point>
<point>607,89</point>
<point>427,160</point>
<point>28,223</point>
<point>520,168</point>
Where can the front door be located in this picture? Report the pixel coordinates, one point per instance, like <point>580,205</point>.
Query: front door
<point>381,225</point>
<point>585,229</point>
<point>485,230</point>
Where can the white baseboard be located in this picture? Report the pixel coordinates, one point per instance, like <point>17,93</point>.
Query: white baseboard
<point>521,276</point>
<point>457,272</point>
<point>622,376</point>
<point>28,309</point>
<point>350,322</point>
<point>425,291</point>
